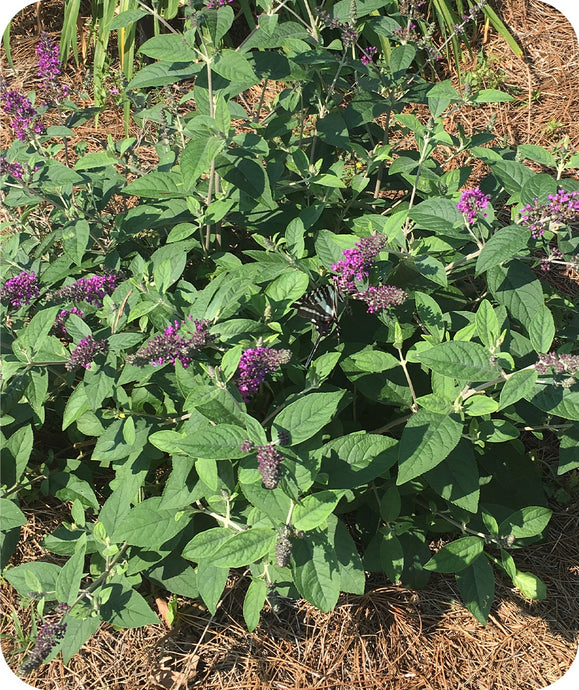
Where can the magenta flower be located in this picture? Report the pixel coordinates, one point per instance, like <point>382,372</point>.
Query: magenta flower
<point>91,290</point>
<point>24,116</point>
<point>369,53</point>
<point>15,169</point>
<point>84,353</point>
<point>356,265</point>
<point>48,54</point>
<point>381,297</point>
<point>180,341</point>
<point>255,365</point>
<point>562,208</point>
<point>59,328</point>
<point>19,289</point>
<point>471,202</point>
<point>561,364</point>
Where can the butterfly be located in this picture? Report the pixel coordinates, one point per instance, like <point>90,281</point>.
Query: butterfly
<point>320,306</point>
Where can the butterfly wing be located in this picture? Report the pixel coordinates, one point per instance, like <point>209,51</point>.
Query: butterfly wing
<point>320,306</point>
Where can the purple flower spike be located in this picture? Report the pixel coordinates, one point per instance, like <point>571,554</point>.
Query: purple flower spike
<point>268,461</point>
<point>48,54</point>
<point>561,364</point>
<point>356,265</point>
<point>91,290</point>
<point>369,53</point>
<point>59,328</point>
<point>15,169</point>
<point>562,208</point>
<point>254,366</point>
<point>180,341</point>
<point>24,116</point>
<point>21,288</point>
<point>84,353</point>
<point>50,634</point>
<point>471,202</point>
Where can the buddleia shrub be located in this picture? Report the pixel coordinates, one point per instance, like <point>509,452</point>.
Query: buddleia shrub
<point>158,313</point>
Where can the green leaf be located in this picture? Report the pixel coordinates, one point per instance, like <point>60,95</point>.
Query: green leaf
<point>430,315</point>
<point>314,510</point>
<point>556,401</point>
<point>568,456</point>
<point>204,544</point>
<point>148,525</point>
<point>530,585</point>
<point>211,581</point>
<point>125,607</point>
<point>77,633</point>
<point>542,330</point>
<point>456,478</point>
<point>487,324</point>
<point>519,385</point>
<point>492,96</point>
<point>537,154</point>
<point>432,269</point>
<point>39,327</point>
<point>437,215</point>
<point>45,575</point>
<point>253,603</point>
<point>502,246</point>
<point>162,73</point>
<point>400,59</point>
<point>479,405</point>
<point>70,576</point>
<point>244,548</point>
<point>19,445</point>
<point>12,516</point>
<point>316,571</point>
<point>175,575</point>
<point>306,416</point>
<point>356,459</point>
<point>465,361</point>
<point>96,159</point>
<point>516,287</point>
<point>526,522</point>
<point>511,174</point>
<point>392,557</point>
<point>207,471</point>
<point>157,185</point>
<point>197,156</point>
<point>235,67</point>
<point>170,47</point>
<point>456,556</point>
<point>477,588</point>
<point>352,575</point>
<point>220,442</point>
<point>427,439</point>
<point>333,131</point>
<point>77,404</point>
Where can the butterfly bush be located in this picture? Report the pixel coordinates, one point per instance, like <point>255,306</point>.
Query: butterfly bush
<point>254,365</point>
<point>85,352</point>
<point>59,326</point>
<point>50,634</point>
<point>381,297</point>
<point>49,73</point>
<point>561,364</point>
<point>473,201</point>
<point>24,116</point>
<point>182,340</point>
<point>268,463</point>
<point>283,551</point>
<point>562,208</point>
<point>22,288</point>
<point>357,262</point>
<point>15,168</point>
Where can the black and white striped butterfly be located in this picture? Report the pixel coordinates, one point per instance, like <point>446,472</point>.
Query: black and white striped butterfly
<point>320,306</point>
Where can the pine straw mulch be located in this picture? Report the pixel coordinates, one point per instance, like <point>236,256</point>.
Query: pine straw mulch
<point>391,637</point>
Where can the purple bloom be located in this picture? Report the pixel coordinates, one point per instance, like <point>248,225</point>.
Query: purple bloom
<point>247,446</point>
<point>59,328</point>
<point>254,366</point>
<point>381,297</point>
<point>471,202</point>
<point>355,267</point>
<point>15,169</point>
<point>216,4</point>
<point>369,53</point>
<point>177,342</point>
<point>561,364</point>
<point>48,54</point>
<point>50,634</point>
<point>24,115</point>
<point>84,353</point>
<point>91,290</point>
<point>562,208</point>
<point>268,461</point>
<point>21,288</point>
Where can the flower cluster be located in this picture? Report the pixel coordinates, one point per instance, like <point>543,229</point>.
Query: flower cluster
<point>180,341</point>
<point>19,289</point>
<point>50,634</point>
<point>91,290</point>
<point>562,208</point>
<point>471,202</point>
<point>381,297</point>
<point>255,365</point>
<point>48,54</point>
<point>59,327</point>
<point>356,265</point>
<point>24,116</point>
<point>215,4</point>
<point>268,463</point>
<point>561,364</point>
<point>369,53</point>
<point>347,30</point>
<point>84,353</point>
<point>15,169</point>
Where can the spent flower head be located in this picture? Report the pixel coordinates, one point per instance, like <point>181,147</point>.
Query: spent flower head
<point>560,364</point>
<point>85,352</point>
<point>471,202</point>
<point>268,463</point>
<point>357,262</point>
<point>22,288</point>
<point>182,340</point>
<point>255,364</point>
<point>381,297</point>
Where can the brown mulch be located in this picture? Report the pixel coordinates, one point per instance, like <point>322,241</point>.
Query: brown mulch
<point>391,637</point>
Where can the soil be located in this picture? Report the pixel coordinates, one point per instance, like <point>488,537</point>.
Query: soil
<point>391,637</point>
